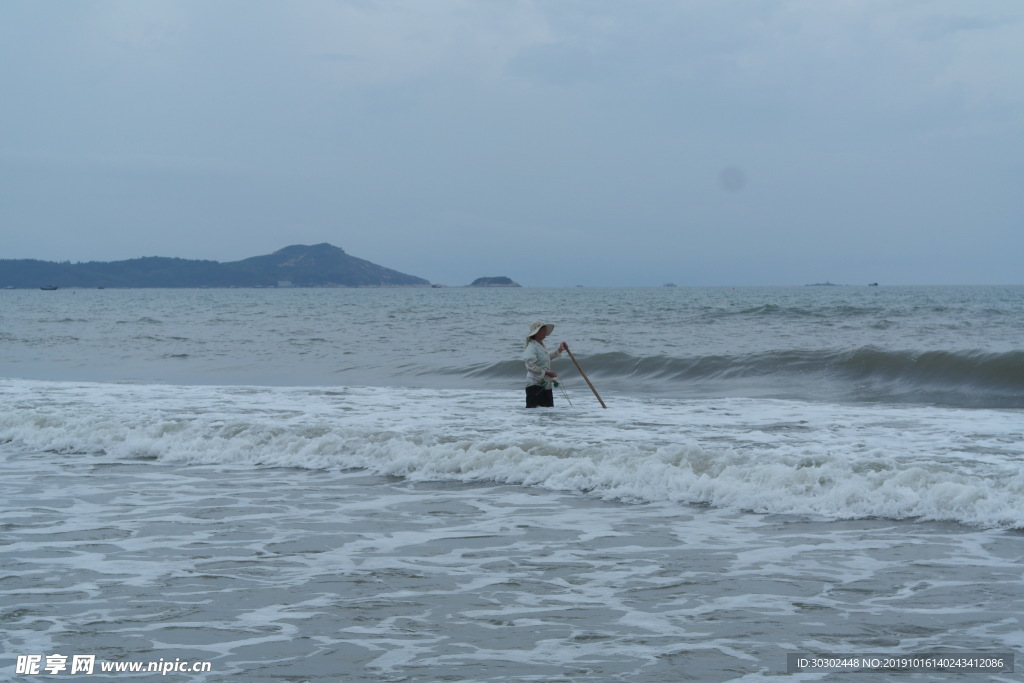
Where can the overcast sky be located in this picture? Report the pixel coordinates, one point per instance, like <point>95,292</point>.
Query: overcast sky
<point>558,142</point>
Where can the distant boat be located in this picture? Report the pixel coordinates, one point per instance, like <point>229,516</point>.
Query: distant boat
<point>872,284</point>
<point>49,288</point>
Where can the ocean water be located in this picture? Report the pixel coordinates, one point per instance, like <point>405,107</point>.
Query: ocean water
<point>322,485</point>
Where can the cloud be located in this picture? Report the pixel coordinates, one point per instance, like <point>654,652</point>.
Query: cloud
<point>722,137</point>
<point>403,41</point>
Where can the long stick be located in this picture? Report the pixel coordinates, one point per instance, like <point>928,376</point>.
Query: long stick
<point>589,383</point>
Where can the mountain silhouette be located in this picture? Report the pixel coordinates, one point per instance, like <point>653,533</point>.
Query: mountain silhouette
<point>319,265</point>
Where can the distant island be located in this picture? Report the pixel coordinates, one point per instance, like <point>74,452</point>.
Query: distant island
<point>500,281</point>
<point>319,265</point>
<point>832,284</point>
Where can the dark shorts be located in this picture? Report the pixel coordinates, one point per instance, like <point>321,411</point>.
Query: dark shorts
<point>539,397</point>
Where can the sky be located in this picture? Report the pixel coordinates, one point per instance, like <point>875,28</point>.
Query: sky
<point>556,142</point>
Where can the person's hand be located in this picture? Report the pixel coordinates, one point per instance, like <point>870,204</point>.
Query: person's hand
<point>549,373</point>
<point>563,347</point>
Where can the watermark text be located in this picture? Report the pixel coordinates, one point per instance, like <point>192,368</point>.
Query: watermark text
<point>43,665</point>
<point>958,662</point>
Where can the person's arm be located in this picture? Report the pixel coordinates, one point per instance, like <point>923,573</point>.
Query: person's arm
<point>534,367</point>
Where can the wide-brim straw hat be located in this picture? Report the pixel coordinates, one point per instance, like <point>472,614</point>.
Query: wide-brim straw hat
<point>535,328</point>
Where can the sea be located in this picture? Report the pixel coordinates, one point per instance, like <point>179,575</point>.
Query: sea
<point>269,485</point>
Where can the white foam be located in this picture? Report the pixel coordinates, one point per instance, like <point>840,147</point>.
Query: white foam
<point>777,457</point>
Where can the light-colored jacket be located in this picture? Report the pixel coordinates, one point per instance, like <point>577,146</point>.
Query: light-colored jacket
<point>538,361</point>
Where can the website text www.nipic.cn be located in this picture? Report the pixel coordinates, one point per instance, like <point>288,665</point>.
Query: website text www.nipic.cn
<point>54,664</point>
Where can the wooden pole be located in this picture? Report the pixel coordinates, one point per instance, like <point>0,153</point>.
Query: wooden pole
<point>589,383</point>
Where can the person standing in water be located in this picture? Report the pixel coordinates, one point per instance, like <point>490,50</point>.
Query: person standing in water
<point>540,378</point>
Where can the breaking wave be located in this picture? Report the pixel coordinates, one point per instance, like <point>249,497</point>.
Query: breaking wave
<point>959,378</point>
<point>764,456</point>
